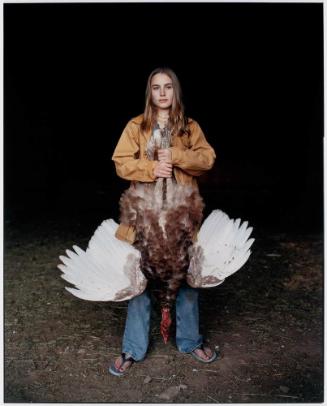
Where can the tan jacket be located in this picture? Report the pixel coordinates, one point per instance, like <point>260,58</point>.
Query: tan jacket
<point>191,156</point>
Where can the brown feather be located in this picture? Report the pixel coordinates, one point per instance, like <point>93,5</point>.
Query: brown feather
<point>164,233</point>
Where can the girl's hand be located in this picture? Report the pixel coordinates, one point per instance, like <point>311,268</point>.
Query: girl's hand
<point>164,155</point>
<point>163,169</point>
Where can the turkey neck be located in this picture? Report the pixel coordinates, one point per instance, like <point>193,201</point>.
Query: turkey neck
<point>165,323</point>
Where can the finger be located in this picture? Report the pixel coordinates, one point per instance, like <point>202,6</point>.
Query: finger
<point>162,157</point>
<point>168,165</point>
<point>166,175</point>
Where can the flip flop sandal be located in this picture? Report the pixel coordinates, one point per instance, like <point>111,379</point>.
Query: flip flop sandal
<point>115,371</point>
<point>198,358</point>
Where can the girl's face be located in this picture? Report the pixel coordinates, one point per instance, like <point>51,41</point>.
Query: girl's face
<point>162,91</point>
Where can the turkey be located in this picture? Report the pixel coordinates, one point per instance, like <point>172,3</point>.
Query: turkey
<point>171,247</point>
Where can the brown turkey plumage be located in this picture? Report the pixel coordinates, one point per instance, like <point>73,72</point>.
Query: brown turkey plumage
<point>166,217</point>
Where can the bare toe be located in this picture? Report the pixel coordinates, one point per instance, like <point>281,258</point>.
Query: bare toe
<point>122,366</point>
<point>118,362</point>
<point>208,352</point>
<point>201,353</point>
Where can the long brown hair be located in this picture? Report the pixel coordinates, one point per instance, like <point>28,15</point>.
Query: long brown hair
<point>177,119</point>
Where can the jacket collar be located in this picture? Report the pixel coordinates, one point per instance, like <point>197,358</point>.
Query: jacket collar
<point>138,119</point>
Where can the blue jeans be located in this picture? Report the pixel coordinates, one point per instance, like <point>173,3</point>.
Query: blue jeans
<point>136,335</point>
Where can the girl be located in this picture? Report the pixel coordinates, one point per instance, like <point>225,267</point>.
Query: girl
<point>157,151</point>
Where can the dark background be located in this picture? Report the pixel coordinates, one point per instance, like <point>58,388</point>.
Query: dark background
<point>251,74</point>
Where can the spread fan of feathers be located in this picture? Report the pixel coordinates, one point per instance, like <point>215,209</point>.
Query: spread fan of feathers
<point>171,248</point>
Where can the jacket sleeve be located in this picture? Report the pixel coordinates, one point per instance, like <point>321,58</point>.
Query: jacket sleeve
<point>199,158</point>
<point>128,164</point>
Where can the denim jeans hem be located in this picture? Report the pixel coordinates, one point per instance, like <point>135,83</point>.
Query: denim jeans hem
<point>132,355</point>
<point>188,352</point>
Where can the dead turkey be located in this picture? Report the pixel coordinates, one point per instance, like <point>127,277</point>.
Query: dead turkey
<point>171,246</point>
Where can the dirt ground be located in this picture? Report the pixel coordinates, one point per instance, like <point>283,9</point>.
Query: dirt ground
<point>267,319</point>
